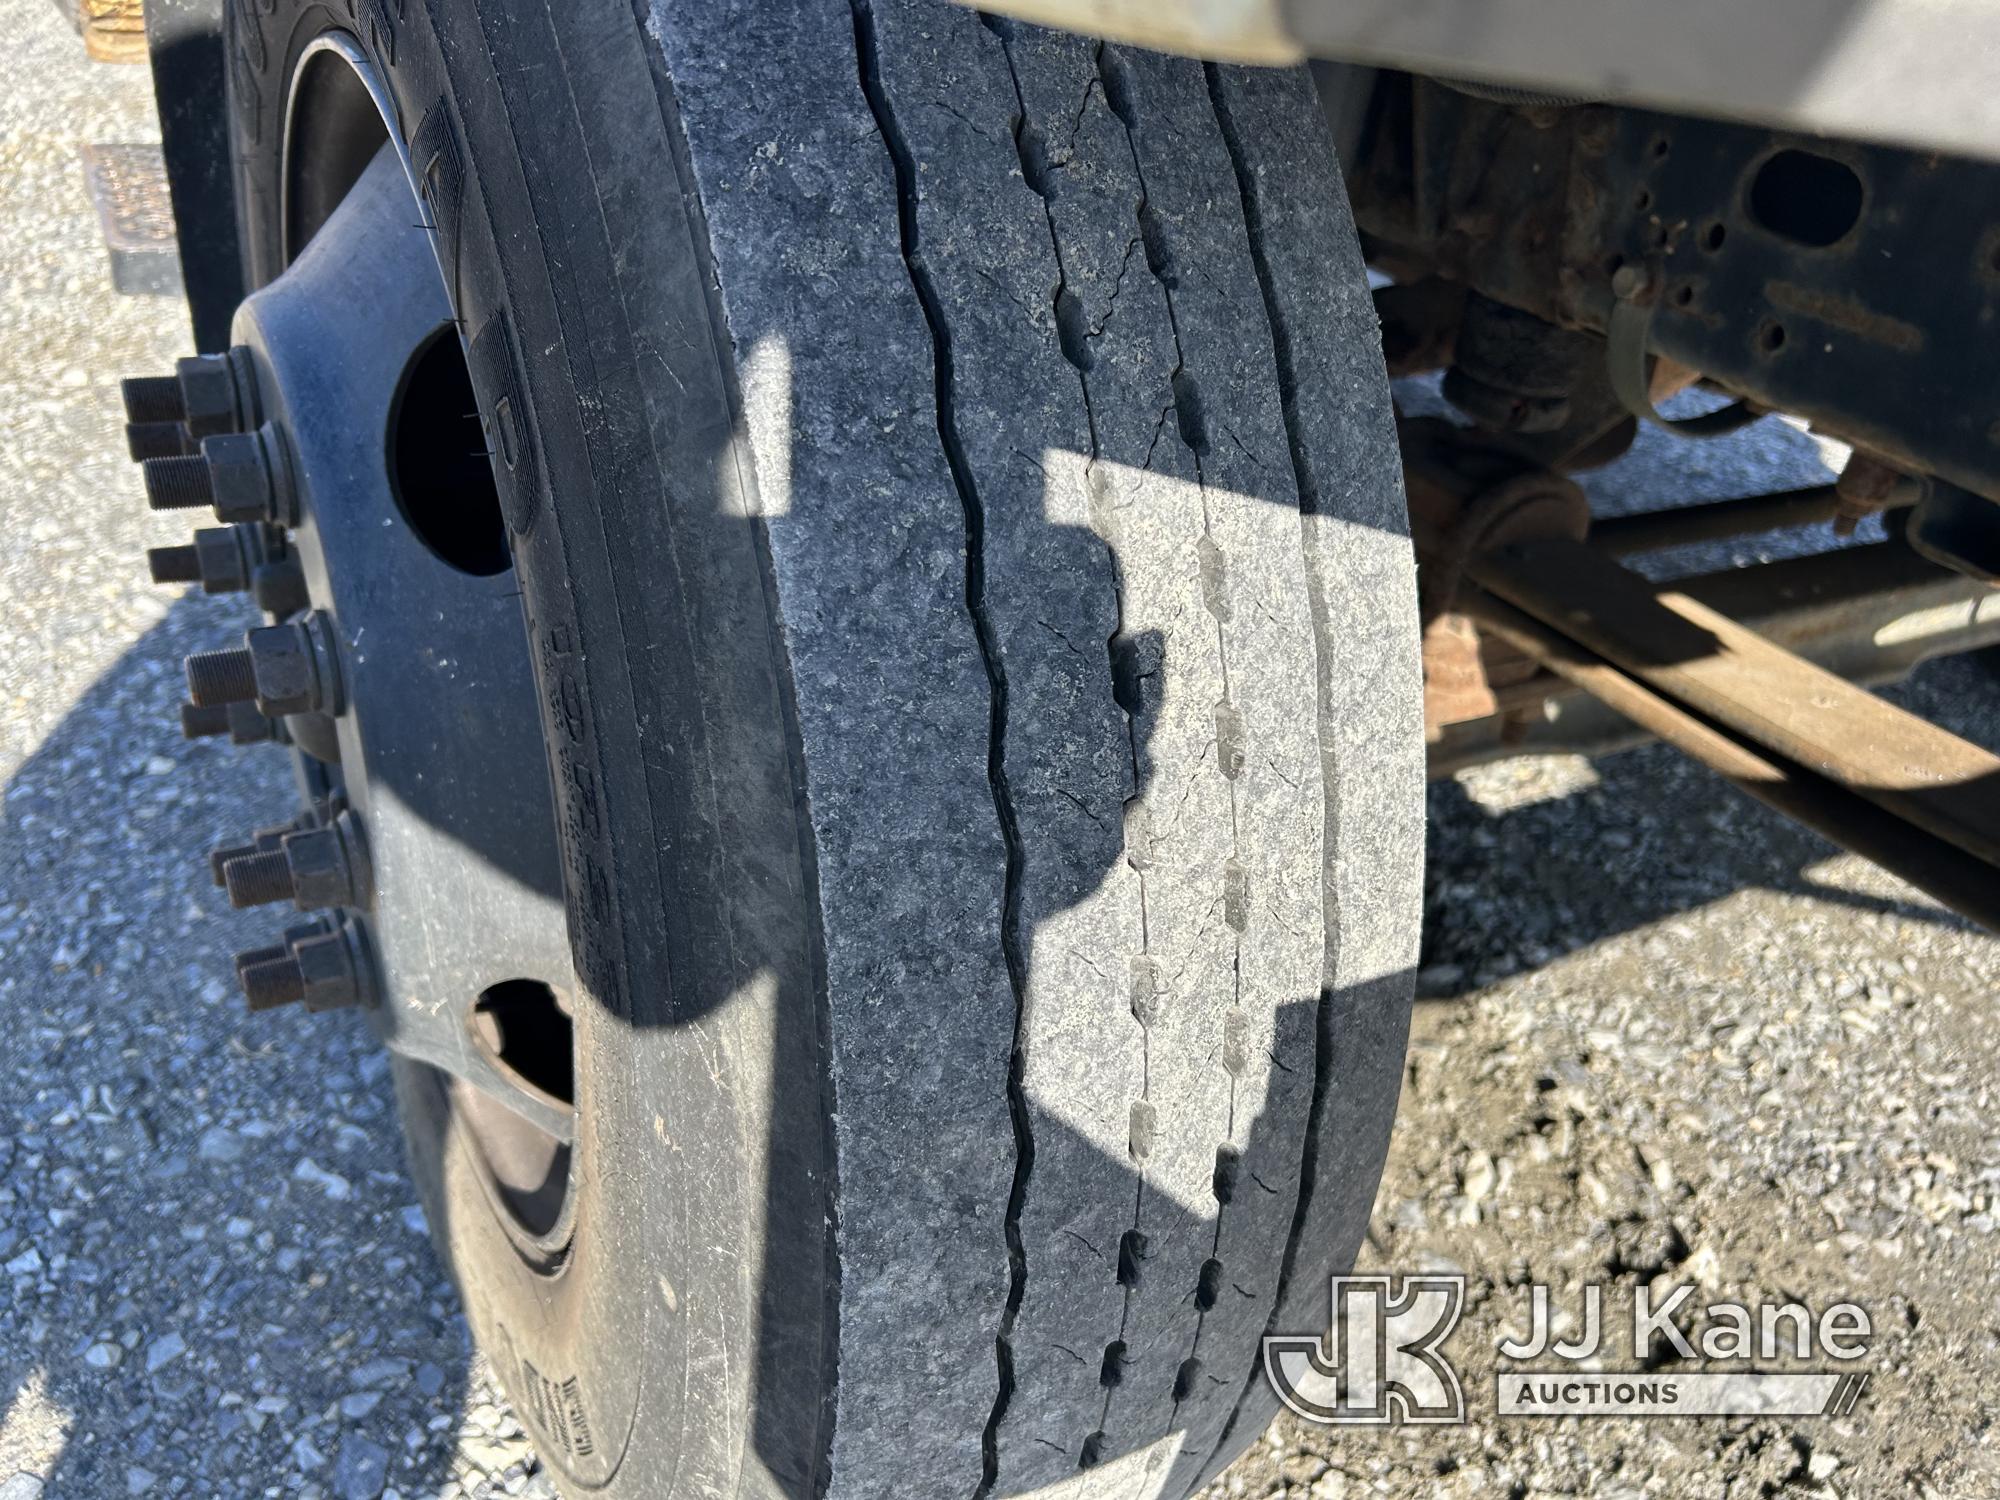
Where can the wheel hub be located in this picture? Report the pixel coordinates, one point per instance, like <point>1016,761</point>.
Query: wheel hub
<point>339,444</point>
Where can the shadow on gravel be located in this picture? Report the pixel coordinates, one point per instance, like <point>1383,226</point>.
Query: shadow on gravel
<point>208,1256</point>
<point>1654,836</point>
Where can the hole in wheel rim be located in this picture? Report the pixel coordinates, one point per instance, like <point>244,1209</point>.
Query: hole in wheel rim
<point>521,1027</point>
<point>438,468</point>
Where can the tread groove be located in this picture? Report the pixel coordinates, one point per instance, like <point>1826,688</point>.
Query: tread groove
<point>1309,505</point>
<point>1192,426</point>
<point>869,60</point>
<point>1127,691</point>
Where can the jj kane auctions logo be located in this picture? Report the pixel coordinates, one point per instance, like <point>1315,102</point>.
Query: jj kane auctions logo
<point>1382,1357</point>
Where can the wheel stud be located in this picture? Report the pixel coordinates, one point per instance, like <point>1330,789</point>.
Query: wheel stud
<point>272,983</point>
<point>201,723</point>
<point>240,721</point>
<point>153,398</point>
<point>252,956</point>
<point>144,440</point>
<point>177,483</point>
<point>218,677</point>
<point>258,879</point>
<point>220,857</point>
<point>180,564</point>
<point>249,726</point>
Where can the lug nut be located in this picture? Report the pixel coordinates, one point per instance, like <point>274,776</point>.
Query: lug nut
<point>279,587</point>
<point>258,879</point>
<point>248,478</point>
<point>295,667</point>
<point>272,983</point>
<point>328,866</point>
<point>177,483</point>
<point>152,398</point>
<point>228,555</point>
<point>216,677</point>
<point>201,723</point>
<point>180,564</point>
<point>224,569</point>
<point>218,391</point>
<point>144,440</point>
<point>334,969</point>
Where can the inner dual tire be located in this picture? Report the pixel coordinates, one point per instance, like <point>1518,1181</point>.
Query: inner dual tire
<point>951,478</point>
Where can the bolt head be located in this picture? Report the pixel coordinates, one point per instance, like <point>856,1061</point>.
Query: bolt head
<point>1627,282</point>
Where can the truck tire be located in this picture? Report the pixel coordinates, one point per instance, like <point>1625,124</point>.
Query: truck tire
<point>951,478</point>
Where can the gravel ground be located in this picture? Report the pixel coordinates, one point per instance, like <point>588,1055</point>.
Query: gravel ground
<point>1665,1036</point>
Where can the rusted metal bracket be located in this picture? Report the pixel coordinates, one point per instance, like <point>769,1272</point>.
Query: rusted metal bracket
<point>1630,356</point>
<point>1869,613</point>
<point>1915,798</point>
